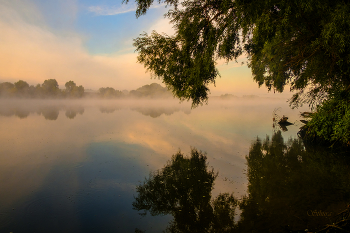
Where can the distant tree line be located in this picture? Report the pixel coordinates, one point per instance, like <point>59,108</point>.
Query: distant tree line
<point>48,89</point>
<point>153,90</point>
<point>109,93</point>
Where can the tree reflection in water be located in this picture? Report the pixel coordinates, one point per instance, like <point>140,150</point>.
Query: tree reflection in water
<point>50,111</point>
<point>291,189</point>
<point>72,111</point>
<point>183,189</point>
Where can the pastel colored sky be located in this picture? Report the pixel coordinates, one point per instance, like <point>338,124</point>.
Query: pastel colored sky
<point>89,42</point>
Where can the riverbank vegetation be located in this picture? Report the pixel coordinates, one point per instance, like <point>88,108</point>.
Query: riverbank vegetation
<point>48,89</point>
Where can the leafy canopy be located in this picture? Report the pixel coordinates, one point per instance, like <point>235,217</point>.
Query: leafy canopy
<point>302,44</point>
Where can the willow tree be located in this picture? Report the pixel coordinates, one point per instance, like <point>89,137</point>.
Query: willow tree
<point>301,45</point>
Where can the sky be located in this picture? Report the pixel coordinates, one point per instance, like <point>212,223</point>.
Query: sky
<point>90,43</point>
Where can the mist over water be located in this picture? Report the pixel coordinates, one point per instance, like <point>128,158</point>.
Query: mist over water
<point>74,165</point>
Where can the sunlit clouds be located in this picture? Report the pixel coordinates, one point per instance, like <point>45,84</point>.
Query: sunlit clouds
<point>42,55</point>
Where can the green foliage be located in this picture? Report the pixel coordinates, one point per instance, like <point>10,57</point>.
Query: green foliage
<point>153,90</point>
<point>301,44</point>
<point>186,73</point>
<point>21,85</point>
<point>49,89</point>
<point>6,89</point>
<point>72,90</point>
<point>70,85</point>
<point>109,92</point>
<point>331,121</point>
<point>78,91</point>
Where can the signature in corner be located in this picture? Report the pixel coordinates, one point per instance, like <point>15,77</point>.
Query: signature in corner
<point>318,213</point>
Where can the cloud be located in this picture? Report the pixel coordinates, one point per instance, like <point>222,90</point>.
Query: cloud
<point>114,10</point>
<point>117,9</point>
<point>162,26</point>
<point>32,52</point>
<point>10,12</point>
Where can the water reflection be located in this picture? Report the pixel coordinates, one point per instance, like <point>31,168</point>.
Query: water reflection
<point>183,189</point>
<point>72,111</point>
<point>73,173</point>
<point>108,109</point>
<point>288,184</point>
<point>48,109</point>
<point>155,112</point>
<point>50,112</point>
<point>290,189</point>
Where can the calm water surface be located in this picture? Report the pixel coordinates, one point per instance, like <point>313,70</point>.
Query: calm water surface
<point>75,166</point>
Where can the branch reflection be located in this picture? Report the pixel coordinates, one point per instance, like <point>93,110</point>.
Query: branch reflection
<point>183,189</point>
